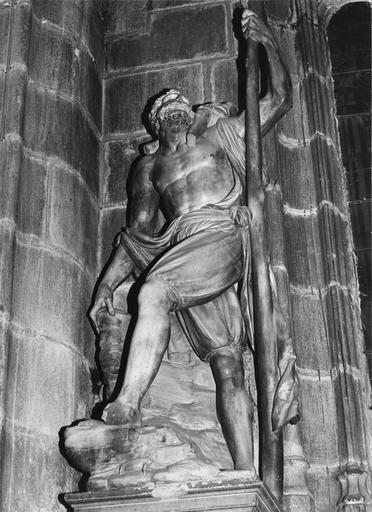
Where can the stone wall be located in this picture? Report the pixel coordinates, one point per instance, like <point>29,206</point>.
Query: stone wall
<point>51,58</point>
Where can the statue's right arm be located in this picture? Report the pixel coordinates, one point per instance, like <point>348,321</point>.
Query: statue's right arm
<point>143,217</point>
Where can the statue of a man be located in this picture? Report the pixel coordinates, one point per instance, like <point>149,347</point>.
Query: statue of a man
<point>195,267</point>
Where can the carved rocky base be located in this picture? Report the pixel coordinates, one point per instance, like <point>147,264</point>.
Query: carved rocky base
<point>231,491</point>
<point>117,456</point>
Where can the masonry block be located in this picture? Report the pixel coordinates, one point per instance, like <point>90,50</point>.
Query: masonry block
<point>15,100</point>
<point>119,158</point>
<point>21,28</point>
<point>94,33</point>
<point>11,151</point>
<point>318,95</point>
<point>58,128</point>
<point>4,333</point>
<point>309,47</point>
<point>112,220</point>
<point>32,196</point>
<point>348,396</point>
<point>65,65</point>
<point>2,87</point>
<point>325,488</point>
<point>341,327</point>
<point>320,436</point>
<point>6,265</point>
<point>336,246</point>
<point>122,17</point>
<point>224,81</point>
<point>37,473</point>
<point>188,35</point>
<point>310,334</point>
<point>18,25</point>
<point>4,33</point>
<point>82,19</point>
<point>328,173</point>
<point>303,250</point>
<point>51,296</point>
<point>297,178</point>
<point>44,397</point>
<point>312,57</point>
<point>73,218</point>
<point>126,96</point>
<point>274,225</point>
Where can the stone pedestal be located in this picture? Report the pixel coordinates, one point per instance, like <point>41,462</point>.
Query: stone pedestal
<point>220,495</point>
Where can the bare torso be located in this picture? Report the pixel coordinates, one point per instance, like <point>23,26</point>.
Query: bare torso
<point>190,177</point>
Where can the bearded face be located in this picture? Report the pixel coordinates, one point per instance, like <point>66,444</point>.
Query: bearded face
<point>172,111</point>
<point>176,117</point>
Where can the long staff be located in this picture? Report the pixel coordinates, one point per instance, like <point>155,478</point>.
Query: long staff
<point>271,443</point>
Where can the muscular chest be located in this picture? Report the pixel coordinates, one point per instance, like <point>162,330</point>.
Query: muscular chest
<point>189,167</point>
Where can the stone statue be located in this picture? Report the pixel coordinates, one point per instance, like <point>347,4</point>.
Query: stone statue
<point>199,265</point>
<point>192,182</point>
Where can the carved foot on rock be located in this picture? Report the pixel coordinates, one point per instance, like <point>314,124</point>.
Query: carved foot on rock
<point>118,413</point>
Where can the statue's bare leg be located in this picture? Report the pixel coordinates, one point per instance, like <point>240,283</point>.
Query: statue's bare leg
<point>149,342</point>
<point>234,407</point>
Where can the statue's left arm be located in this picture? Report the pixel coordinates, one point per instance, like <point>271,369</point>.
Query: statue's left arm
<point>278,99</point>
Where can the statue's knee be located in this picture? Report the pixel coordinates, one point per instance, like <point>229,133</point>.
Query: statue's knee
<point>154,294</point>
<point>227,367</point>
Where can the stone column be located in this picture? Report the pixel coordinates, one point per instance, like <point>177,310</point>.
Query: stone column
<point>321,268</point>
<point>50,81</point>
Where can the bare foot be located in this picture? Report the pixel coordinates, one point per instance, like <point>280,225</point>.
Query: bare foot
<point>118,413</point>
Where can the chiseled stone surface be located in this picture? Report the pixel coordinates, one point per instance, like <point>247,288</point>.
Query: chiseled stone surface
<point>57,128</point>
<point>125,116</point>
<point>42,280</point>
<point>71,204</point>
<point>224,81</point>
<point>31,215</point>
<point>11,149</point>
<point>112,221</point>
<point>80,19</point>
<point>191,28</point>
<point>74,72</point>
<point>14,104</point>
<point>118,159</point>
<point>51,105</point>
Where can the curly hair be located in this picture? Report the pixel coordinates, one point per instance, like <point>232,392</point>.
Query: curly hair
<point>160,105</point>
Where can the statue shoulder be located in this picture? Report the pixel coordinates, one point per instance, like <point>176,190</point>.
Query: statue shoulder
<point>142,172</point>
<point>145,164</point>
<point>219,129</point>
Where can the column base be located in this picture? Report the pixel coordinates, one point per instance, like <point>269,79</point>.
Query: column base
<point>224,495</point>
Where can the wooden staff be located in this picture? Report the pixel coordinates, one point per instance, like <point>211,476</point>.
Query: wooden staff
<point>271,443</point>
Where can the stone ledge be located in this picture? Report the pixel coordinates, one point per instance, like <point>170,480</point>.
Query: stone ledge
<point>222,496</point>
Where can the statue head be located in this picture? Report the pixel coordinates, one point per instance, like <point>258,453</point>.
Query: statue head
<point>171,108</point>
